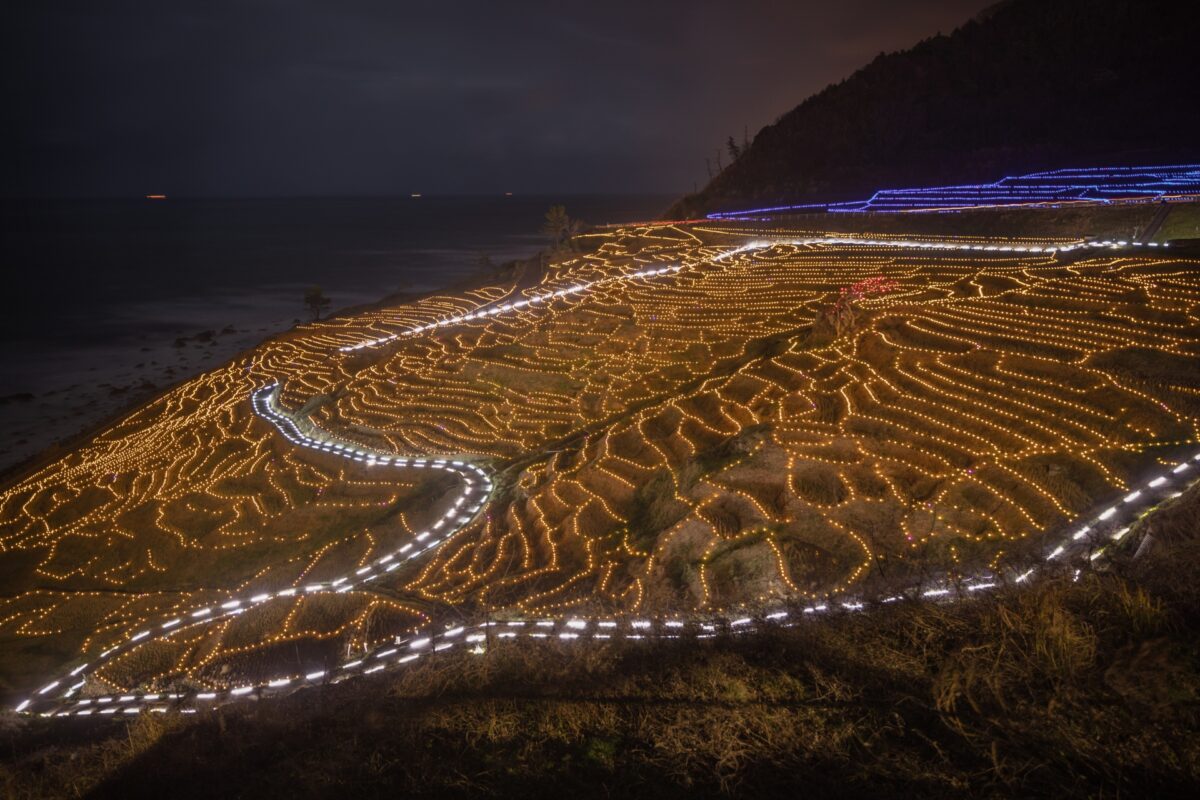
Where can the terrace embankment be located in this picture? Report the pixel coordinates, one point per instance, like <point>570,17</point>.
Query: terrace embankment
<point>1077,688</point>
<point>1130,221</point>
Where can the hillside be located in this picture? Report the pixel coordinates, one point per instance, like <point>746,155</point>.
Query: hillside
<point>1027,85</point>
<point>512,538</point>
<point>671,420</point>
<point>1071,688</point>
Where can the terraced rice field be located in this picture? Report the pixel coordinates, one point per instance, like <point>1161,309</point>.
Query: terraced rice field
<point>667,430</point>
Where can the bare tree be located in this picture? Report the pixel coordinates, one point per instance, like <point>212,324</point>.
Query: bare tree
<point>316,301</point>
<point>557,227</point>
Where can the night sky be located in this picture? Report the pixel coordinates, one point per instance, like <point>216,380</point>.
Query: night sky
<point>299,97</point>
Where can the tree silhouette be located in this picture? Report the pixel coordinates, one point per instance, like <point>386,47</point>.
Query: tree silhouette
<point>557,227</point>
<point>734,150</point>
<point>316,301</point>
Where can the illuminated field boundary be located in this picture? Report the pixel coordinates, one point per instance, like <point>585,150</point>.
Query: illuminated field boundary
<point>907,244</point>
<point>1088,541</point>
<point>532,300</point>
<point>910,244</point>
<point>1096,185</point>
<point>1085,544</point>
<point>476,487</point>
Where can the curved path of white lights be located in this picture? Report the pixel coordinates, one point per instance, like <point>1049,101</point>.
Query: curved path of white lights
<point>60,697</point>
<point>543,297</point>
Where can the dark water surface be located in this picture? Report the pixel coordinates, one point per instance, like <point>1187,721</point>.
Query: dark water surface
<point>93,274</point>
<point>109,302</point>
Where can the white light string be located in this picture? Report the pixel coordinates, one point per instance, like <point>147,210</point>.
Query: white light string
<point>483,312</point>
<point>910,244</point>
<point>1090,541</point>
<point>534,300</point>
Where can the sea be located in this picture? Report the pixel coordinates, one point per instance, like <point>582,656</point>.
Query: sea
<point>107,299</point>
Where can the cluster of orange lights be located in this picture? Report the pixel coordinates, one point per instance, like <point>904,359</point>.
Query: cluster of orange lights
<point>681,445</point>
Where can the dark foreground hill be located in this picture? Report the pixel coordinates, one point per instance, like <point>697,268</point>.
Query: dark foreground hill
<point>1027,85</point>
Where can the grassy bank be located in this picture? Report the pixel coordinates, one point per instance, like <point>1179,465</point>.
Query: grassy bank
<point>1068,222</point>
<point>1182,223</point>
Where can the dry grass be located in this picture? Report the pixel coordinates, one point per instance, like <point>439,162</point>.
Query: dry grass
<point>1098,221</point>
<point>1183,222</point>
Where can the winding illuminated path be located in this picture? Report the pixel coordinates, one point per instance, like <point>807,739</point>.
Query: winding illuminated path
<point>61,697</point>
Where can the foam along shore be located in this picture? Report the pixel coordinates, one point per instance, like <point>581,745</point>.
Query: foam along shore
<point>135,352</point>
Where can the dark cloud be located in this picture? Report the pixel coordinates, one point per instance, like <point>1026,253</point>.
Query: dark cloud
<point>271,97</point>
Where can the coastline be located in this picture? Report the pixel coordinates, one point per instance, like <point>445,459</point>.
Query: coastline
<point>112,402</point>
<point>146,297</point>
<point>115,403</point>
